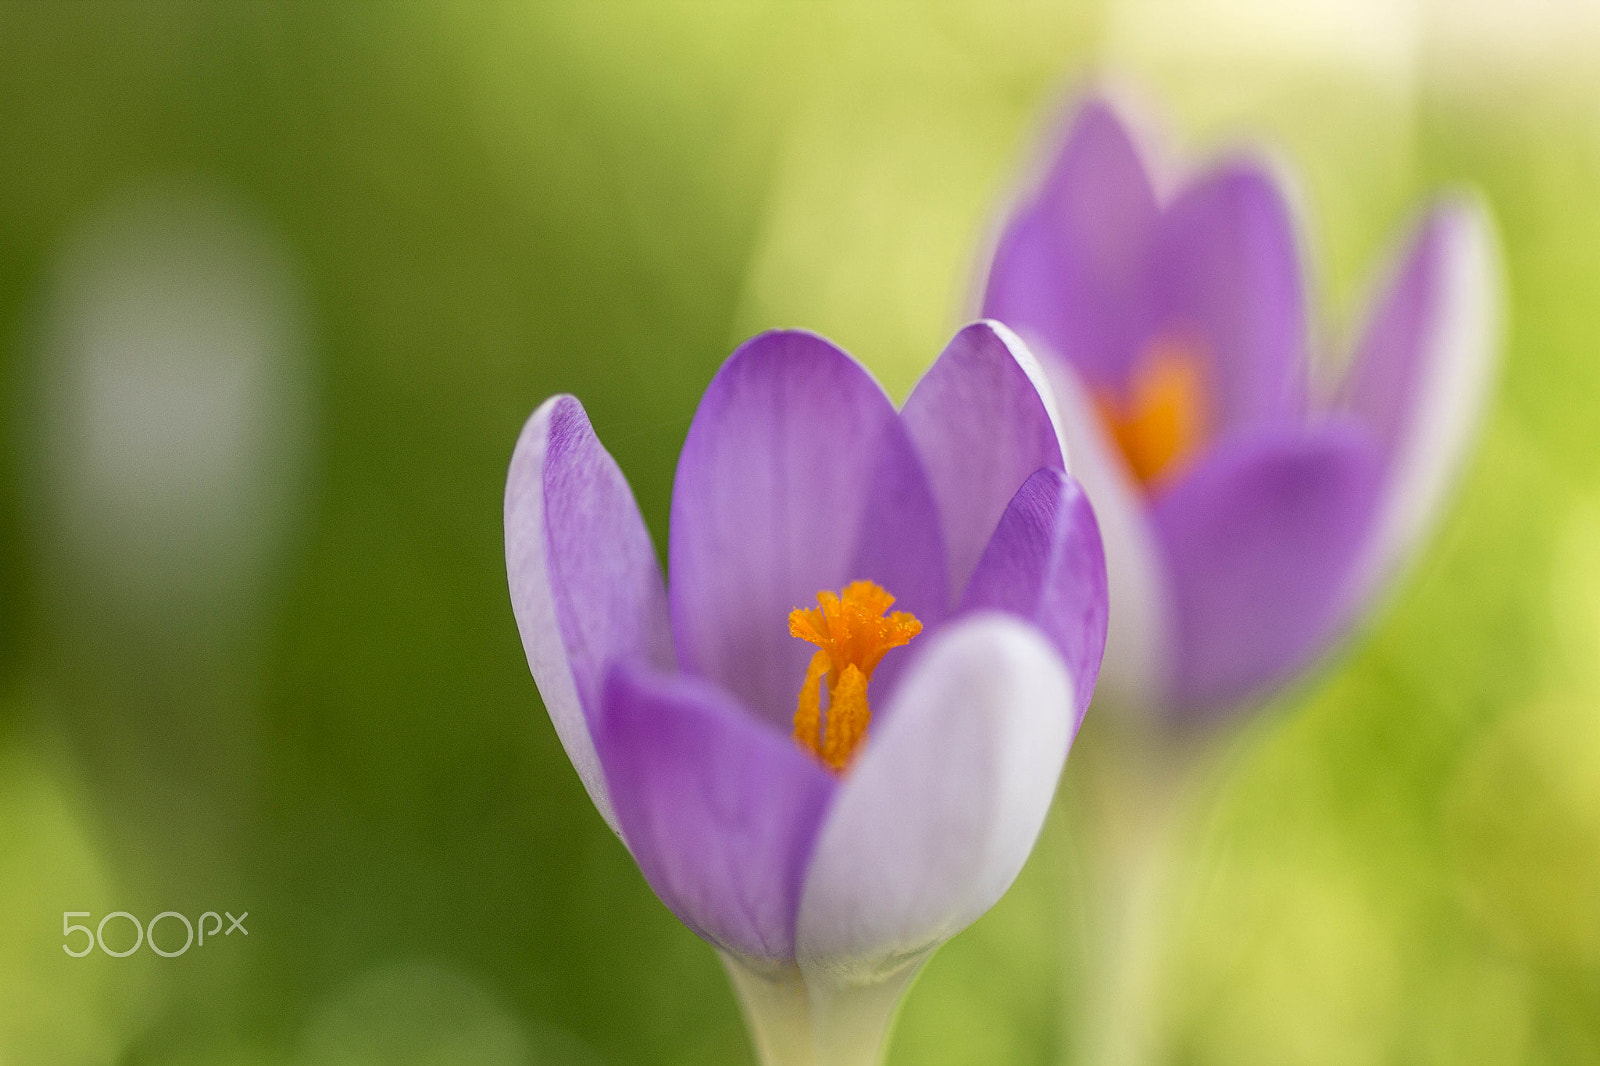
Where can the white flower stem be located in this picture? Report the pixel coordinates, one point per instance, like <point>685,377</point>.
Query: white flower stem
<point>793,1024</point>
<point>776,1011</point>
<point>1140,796</point>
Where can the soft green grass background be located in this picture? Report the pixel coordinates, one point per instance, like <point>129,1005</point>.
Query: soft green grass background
<point>488,204</point>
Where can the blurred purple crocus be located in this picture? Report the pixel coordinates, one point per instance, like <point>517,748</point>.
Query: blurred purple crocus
<point>824,847</point>
<point>1250,516</point>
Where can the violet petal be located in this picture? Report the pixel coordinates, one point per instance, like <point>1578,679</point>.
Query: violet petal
<point>982,420</point>
<point>780,492</point>
<point>1046,565</point>
<point>586,588</point>
<point>1068,270</point>
<point>720,809</point>
<point>1261,539</point>
<point>1422,372</point>
<point>1226,278</point>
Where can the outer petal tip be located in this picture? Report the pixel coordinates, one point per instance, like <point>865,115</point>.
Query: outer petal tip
<point>585,585</point>
<point>1101,164</point>
<point>1030,365</point>
<point>982,419</point>
<point>1068,262</point>
<point>1424,371</point>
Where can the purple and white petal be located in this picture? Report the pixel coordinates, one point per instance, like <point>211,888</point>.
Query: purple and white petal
<point>720,810</point>
<point>983,420</point>
<point>933,822</point>
<point>1068,268</point>
<point>1261,538</point>
<point>1045,564</point>
<point>775,500</point>
<point>1226,279</point>
<point>586,588</point>
<point>1423,370</point>
<point>1133,673</point>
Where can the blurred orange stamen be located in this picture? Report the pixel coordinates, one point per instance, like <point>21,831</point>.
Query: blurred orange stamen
<point>1162,419</point>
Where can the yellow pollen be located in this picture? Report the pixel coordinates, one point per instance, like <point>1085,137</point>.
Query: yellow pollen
<point>1163,419</point>
<point>852,634</point>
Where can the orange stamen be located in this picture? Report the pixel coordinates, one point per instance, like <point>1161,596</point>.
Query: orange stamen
<point>852,635</point>
<point>1163,419</point>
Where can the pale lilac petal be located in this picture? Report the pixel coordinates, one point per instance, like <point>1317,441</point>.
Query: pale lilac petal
<point>1068,267</point>
<point>982,421</point>
<point>1134,674</point>
<point>796,476</point>
<point>1261,539</point>
<point>1225,276</point>
<point>1100,190</point>
<point>586,588</point>
<point>720,809</point>
<point>1046,565</point>
<point>933,822</point>
<point>1422,373</point>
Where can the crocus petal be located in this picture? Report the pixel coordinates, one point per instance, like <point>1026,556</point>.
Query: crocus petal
<point>720,809</point>
<point>982,420</point>
<point>934,820</point>
<point>1423,370</point>
<point>1066,272</point>
<point>1133,673</point>
<point>1045,564</point>
<point>1226,279</point>
<point>1261,539</point>
<point>795,473</point>
<point>585,584</point>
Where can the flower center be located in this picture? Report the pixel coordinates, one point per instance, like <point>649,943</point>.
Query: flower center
<point>1161,419</point>
<point>851,634</point>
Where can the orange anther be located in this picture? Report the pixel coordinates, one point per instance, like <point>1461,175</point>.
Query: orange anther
<point>1162,420</point>
<point>852,634</point>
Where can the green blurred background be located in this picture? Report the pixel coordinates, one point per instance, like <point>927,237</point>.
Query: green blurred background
<point>256,652</point>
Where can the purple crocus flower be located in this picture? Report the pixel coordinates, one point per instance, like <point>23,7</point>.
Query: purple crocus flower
<point>825,848</point>
<point>1249,515</point>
